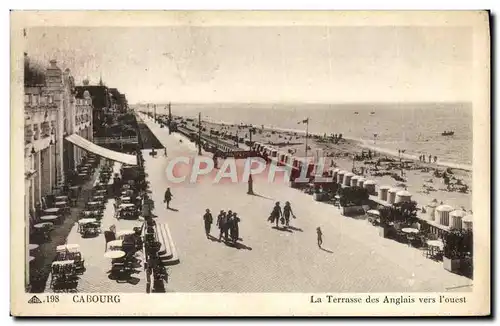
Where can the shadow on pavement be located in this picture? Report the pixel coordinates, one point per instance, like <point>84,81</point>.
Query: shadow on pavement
<point>261,196</point>
<point>295,229</point>
<point>172,209</point>
<point>212,238</point>
<point>326,250</point>
<point>237,245</point>
<point>282,229</point>
<point>125,277</point>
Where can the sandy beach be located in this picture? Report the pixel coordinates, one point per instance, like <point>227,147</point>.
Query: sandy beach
<point>420,178</point>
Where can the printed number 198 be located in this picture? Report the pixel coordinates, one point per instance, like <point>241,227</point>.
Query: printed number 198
<point>52,298</point>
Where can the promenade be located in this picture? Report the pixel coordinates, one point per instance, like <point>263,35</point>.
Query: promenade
<point>354,259</point>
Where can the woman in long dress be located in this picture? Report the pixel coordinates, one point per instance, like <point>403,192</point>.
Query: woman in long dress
<point>235,228</point>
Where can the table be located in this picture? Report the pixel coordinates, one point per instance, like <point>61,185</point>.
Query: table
<point>61,198</point>
<point>83,175</point>
<point>90,212</point>
<point>373,212</point>
<point>124,198</point>
<point>87,220</point>
<point>124,193</point>
<point>49,217</point>
<point>436,244</point>
<point>42,225</point>
<point>114,254</point>
<point>100,191</point>
<point>33,246</point>
<point>60,203</point>
<point>122,233</point>
<point>93,203</point>
<point>98,197</point>
<point>410,230</point>
<point>68,247</point>
<point>115,244</point>
<point>52,210</point>
<point>126,205</point>
<point>63,262</point>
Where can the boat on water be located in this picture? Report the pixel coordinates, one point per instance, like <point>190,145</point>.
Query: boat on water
<point>448,133</point>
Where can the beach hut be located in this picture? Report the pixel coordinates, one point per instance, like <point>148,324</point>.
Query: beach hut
<point>431,209</point>
<point>288,159</point>
<point>354,181</point>
<point>281,158</point>
<point>456,219</point>
<point>361,181</point>
<point>340,176</point>
<point>443,214</point>
<point>334,173</point>
<point>391,195</point>
<point>467,222</point>
<point>274,153</point>
<point>403,196</point>
<point>382,192</point>
<point>370,185</point>
<point>347,179</point>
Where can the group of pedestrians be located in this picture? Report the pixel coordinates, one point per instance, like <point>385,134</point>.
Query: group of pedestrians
<point>421,158</point>
<point>227,222</point>
<point>277,214</point>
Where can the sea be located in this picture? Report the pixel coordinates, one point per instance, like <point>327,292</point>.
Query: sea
<point>415,128</point>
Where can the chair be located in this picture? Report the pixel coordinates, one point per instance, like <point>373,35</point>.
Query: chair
<point>108,236</point>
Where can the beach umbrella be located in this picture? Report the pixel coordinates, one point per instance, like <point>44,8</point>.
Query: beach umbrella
<point>382,192</point>
<point>456,218</point>
<point>443,214</point>
<point>403,196</point>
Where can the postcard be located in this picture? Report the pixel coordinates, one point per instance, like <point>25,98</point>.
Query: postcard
<point>250,163</point>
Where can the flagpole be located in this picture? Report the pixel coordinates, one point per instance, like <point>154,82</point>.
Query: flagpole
<point>307,135</point>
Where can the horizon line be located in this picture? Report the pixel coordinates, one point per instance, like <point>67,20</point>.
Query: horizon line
<point>306,102</point>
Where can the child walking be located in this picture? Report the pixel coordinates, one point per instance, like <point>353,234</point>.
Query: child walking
<point>320,236</point>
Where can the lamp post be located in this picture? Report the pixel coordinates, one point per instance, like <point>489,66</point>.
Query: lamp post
<point>199,133</point>
<point>53,141</point>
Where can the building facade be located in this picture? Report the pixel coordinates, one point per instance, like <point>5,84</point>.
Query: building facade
<point>52,111</point>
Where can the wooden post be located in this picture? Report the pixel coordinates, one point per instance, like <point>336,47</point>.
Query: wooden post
<point>307,136</point>
<point>199,133</point>
<point>169,119</point>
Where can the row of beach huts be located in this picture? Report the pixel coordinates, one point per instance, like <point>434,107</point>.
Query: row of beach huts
<point>440,216</point>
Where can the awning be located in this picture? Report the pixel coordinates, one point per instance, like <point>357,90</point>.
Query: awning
<point>101,151</point>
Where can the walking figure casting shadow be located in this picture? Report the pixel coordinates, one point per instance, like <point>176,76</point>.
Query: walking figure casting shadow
<point>277,215</point>
<point>229,230</point>
<point>168,198</point>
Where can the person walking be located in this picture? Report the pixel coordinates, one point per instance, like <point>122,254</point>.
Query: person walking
<point>168,197</point>
<point>320,236</point>
<point>235,228</point>
<point>221,223</point>
<point>276,214</point>
<point>207,218</point>
<point>287,211</point>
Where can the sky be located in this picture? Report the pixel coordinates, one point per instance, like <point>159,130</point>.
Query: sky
<point>265,64</point>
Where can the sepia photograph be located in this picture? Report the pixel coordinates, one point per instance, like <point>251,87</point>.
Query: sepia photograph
<point>321,156</point>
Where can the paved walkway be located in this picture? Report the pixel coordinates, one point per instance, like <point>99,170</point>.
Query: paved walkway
<point>96,277</point>
<point>354,259</point>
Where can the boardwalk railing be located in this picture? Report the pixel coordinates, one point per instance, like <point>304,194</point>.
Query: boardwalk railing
<point>116,140</point>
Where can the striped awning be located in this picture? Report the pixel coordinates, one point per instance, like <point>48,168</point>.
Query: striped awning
<point>101,151</point>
